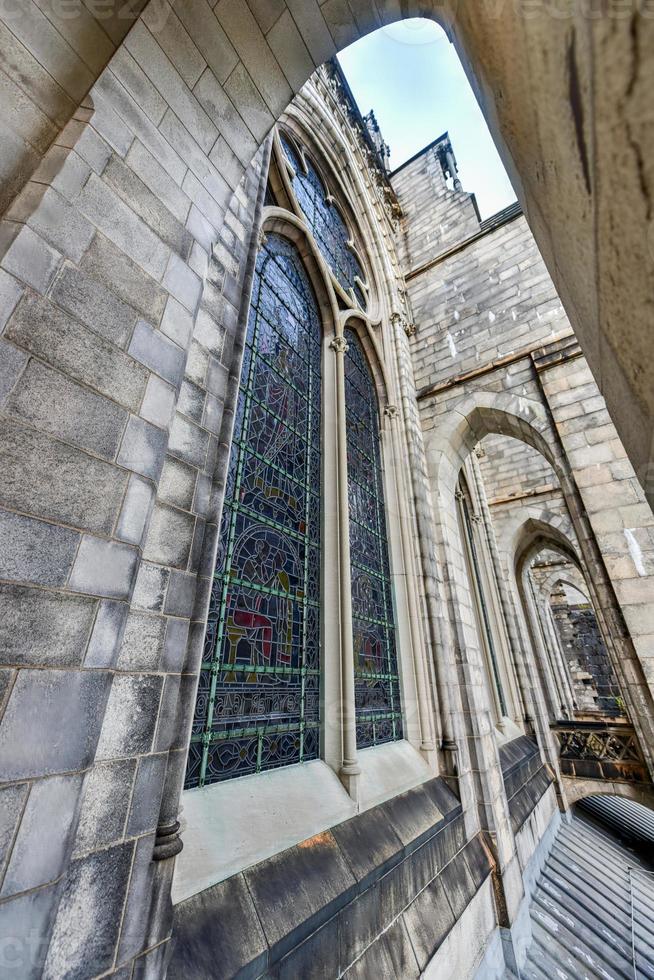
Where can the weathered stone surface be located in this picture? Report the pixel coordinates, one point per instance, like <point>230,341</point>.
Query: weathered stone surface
<point>52,335</point>
<point>33,551</point>
<point>169,537</point>
<point>142,448</point>
<point>33,739</point>
<point>197,946</point>
<point>116,270</point>
<point>107,634</point>
<point>43,844</point>
<point>131,716</point>
<point>43,628</point>
<point>90,301</point>
<point>88,920</point>
<point>143,642</point>
<point>151,348</point>
<point>105,803</point>
<point>56,481</point>
<point>50,401</point>
<point>12,801</point>
<point>148,788</point>
<point>119,223</point>
<point>104,568</point>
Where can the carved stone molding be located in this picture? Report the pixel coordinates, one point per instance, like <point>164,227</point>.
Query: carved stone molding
<point>391,411</point>
<point>339,345</point>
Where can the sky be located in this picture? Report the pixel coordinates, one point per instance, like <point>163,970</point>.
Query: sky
<point>410,74</point>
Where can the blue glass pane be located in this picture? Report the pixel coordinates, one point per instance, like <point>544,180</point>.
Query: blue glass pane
<point>258,704</point>
<point>377,688</point>
<point>326,223</point>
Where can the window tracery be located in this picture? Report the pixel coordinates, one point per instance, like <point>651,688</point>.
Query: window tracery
<point>258,698</point>
<point>325,222</point>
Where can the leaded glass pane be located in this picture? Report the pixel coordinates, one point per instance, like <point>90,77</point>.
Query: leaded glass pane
<point>326,223</point>
<point>377,688</point>
<point>259,691</point>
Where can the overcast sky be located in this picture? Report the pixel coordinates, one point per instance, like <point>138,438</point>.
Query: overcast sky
<point>411,76</point>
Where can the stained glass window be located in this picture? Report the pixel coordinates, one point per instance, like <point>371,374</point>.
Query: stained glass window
<point>258,697</point>
<point>326,223</point>
<point>377,689</point>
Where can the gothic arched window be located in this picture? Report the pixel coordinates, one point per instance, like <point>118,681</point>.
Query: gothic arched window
<point>258,698</point>
<point>325,222</point>
<point>377,688</point>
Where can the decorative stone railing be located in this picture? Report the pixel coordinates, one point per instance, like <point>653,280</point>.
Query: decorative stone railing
<point>597,750</point>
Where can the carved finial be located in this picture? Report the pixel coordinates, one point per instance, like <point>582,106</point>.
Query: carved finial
<point>409,329</point>
<point>459,495</point>
<point>390,411</point>
<point>339,344</point>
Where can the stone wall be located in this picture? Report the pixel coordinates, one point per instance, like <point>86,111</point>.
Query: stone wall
<point>120,337</point>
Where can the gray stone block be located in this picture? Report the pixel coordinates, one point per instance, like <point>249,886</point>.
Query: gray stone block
<point>428,920</point>
<point>182,283</point>
<point>124,228</point>
<point>137,83</point>
<point>12,801</point>
<point>107,795</point>
<point>12,362</point>
<point>146,799</point>
<point>28,257</point>
<point>33,551</point>
<point>61,225</point>
<point>43,845</point>
<point>55,481</point>
<point>42,628</point>
<point>22,919</point>
<point>131,716</point>
<point>46,331</point>
<point>151,348</point>
<point>169,719</point>
<point>135,510</point>
<point>159,403</point>
<point>44,706</point>
<point>147,918</point>
<point>143,448</point>
<point>326,877</point>
<point>188,441</point>
<point>88,921</point>
<point>206,927</point>
<point>152,965</point>
<point>10,292</point>
<point>177,484</point>
<point>107,263</point>
<point>143,642</point>
<point>169,537</point>
<point>175,645</point>
<point>6,680</point>
<point>104,568</point>
<point>52,402</point>
<point>160,183</point>
<point>93,149</point>
<point>181,594</point>
<point>191,401</point>
<point>90,301</point>
<point>149,207</point>
<point>107,634</point>
<point>150,588</point>
<point>63,169</point>
<point>177,323</point>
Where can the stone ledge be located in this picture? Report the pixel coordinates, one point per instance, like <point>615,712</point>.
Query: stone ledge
<point>326,901</point>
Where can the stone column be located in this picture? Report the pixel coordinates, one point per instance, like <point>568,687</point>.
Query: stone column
<point>349,771</point>
<point>425,715</point>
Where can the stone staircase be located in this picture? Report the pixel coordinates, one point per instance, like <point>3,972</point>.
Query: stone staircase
<point>581,911</point>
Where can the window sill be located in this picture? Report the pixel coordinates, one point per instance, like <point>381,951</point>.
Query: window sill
<point>230,826</point>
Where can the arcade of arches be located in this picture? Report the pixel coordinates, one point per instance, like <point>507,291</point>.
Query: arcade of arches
<point>327,562</point>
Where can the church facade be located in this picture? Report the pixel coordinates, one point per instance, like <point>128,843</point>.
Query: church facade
<point>327,577</point>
